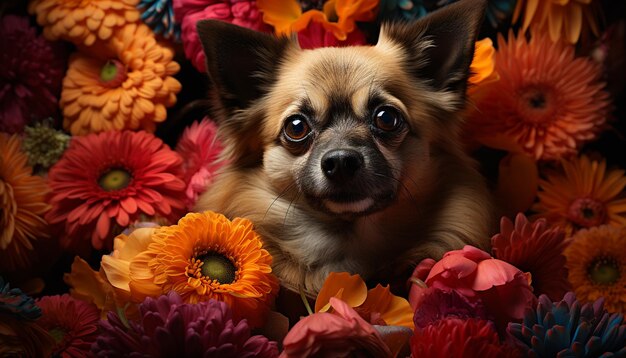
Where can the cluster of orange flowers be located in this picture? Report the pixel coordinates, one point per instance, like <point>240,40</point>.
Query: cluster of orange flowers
<point>121,76</point>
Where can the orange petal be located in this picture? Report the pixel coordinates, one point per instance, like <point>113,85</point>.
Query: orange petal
<point>394,310</point>
<point>280,14</point>
<point>349,288</point>
<point>87,284</point>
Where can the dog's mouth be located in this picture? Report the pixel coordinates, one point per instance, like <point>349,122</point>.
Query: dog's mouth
<point>351,207</point>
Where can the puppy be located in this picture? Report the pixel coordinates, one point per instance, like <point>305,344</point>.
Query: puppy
<point>348,159</point>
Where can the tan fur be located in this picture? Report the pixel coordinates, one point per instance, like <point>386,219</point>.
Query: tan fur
<point>441,202</point>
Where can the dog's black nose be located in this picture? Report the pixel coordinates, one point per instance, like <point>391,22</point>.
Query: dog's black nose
<point>341,164</point>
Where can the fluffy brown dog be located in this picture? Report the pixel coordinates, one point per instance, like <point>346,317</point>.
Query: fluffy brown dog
<point>348,159</point>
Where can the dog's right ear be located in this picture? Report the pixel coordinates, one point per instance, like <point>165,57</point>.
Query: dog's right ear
<point>240,62</point>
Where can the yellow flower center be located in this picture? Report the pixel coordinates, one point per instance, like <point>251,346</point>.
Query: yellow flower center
<point>213,266</point>
<point>587,212</point>
<point>604,271</point>
<point>114,179</point>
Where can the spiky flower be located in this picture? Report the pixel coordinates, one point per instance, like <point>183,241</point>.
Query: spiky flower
<point>569,329</point>
<point>14,302</point>
<point>44,145</point>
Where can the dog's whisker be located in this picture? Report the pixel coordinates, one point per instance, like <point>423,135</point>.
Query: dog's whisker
<point>295,199</point>
<point>283,192</point>
<point>408,192</point>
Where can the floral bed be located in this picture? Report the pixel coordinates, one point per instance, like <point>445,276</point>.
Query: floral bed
<point>105,147</point>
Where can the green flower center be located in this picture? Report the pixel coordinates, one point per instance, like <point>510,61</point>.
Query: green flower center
<point>57,333</point>
<point>218,267</point>
<point>115,179</point>
<point>604,271</point>
<point>112,73</point>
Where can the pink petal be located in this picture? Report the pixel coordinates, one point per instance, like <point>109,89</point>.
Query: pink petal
<point>493,273</point>
<point>129,204</point>
<point>102,227</point>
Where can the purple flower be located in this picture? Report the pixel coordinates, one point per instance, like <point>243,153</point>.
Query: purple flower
<point>170,328</point>
<point>30,74</point>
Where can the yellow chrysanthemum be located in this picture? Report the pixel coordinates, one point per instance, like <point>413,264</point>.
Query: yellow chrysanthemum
<point>205,256</point>
<point>596,261</point>
<point>22,205</point>
<point>127,85</point>
<point>561,18</point>
<point>83,21</point>
<point>584,196</point>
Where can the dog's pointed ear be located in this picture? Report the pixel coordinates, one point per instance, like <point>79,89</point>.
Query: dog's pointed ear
<point>240,62</point>
<point>439,47</point>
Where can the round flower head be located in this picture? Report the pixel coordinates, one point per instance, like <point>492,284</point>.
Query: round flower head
<point>188,12</point>
<point>125,84</point>
<point>82,22</point>
<point>72,323</point>
<point>547,103</point>
<point>454,337</point>
<point>200,149</point>
<point>562,19</point>
<point>44,145</point>
<point>568,328</point>
<point>535,248</point>
<point>206,256</point>
<point>30,73</point>
<point>113,178</point>
<point>170,328</point>
<point>159,15</point>
<point>596,261</point>
<point>584,195</point>
<point>22,206</point>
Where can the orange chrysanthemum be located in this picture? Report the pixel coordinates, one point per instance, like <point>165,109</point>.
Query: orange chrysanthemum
<point>22,205</point>
<point>377,306</point>
<point>336,16</point>
<point>562,18</point>
<point>547,103</point>
<point>83,21</point>
<point>596,261</point>
<point>585,195</point>
<point>205,256</point>
<point>128,85</point>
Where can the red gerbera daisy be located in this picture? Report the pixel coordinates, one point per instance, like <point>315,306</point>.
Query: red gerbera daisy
<point>535,248</point>
<point>112,178</point>
<point>547,102</point>
<point>72,323</point>
<point>454,337</point>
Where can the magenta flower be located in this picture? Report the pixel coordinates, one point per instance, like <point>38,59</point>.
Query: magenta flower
<point>31,70</point>
<point>435,304</point>
<point>339,334</point>
<point>170,328</point>
<point>189,12</point>
<point>200,149</point>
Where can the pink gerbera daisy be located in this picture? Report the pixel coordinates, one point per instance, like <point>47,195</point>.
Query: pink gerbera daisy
<point>200,149</point>
<point>112,179</point>
<point>547,102</point>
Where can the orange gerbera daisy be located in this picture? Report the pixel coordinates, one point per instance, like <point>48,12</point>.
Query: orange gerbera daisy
<point>128,85</point>
<point>377,306</point>
<point>585,195</point>
<point>336,16</point>
<point>83,21</point>
<point>547,103</point>
<point>562,18</point>
<point>596,261</point>
<point>205,256</point>
<point>22,205</point>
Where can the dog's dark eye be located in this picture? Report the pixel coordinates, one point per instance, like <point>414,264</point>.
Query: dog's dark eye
<point>296,128</point>
<point>387,119</point>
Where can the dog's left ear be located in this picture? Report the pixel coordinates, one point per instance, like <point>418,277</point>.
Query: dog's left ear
<point>241,63</point>
<point>439,47</point>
